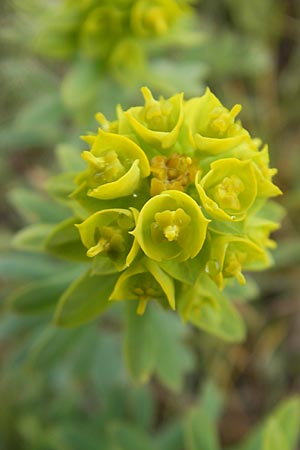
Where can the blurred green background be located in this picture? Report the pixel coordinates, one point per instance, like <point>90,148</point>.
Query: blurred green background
<point>70,389</point>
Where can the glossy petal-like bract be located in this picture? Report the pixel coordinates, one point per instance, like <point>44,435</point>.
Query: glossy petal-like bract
<point>142,282</point>
<point>171,226</point>
<point>158,122</point>
<point>230,255</point>
<point>229,189</point>
<point>107,233</point>
<point>213,127</point>
<point>116,166</point>
<point>176,195</point>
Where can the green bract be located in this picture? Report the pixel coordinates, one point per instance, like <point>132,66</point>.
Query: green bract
<point>174,205</point>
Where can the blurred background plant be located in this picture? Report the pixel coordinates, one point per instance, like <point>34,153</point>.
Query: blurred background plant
<point>66,389</point>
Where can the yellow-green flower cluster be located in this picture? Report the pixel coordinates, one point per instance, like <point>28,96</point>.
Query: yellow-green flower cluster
<point>171,188</point>
<point>103,30</point>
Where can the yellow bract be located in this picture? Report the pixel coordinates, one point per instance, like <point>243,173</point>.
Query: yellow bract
<point>116,166</point>
<point>213,127</point>
<point>171,226</point>
<point>158,122</point>
<point>229,189</point>
<point>229,255</point>
<point>145,281</point>
<point>107,233</point>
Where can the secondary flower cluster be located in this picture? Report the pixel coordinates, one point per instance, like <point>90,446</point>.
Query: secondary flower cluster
<point>174,188</point>
<point>106,30</point>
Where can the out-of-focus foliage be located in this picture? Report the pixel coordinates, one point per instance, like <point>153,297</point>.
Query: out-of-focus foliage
<point>96,407</point>
<point>113,33</point>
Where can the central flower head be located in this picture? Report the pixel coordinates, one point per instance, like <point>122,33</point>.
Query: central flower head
<point>176,172</point>
<point>164,178</point>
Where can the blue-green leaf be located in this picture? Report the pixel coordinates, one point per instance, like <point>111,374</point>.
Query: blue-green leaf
<point>200,431</point>
<point>32,238</point>
<point>139,342</point>
<point>64,241</point>
<point>36,207</point>
<point>128,437</point>
<point>84,300</point>
<point>40,297</point>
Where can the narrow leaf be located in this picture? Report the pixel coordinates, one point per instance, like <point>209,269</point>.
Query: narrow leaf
<point>40,297</point>
<point>32,238</point>
<point>84,300</point>
<point>128,437</point>
<point>200,431</point>
<point>213,311</point>
<point>173,358</point>
<point>64,241</point>
<point>273,437</point>
<point>139,342</point>
<point>36,207</point>
<point>288,417</point>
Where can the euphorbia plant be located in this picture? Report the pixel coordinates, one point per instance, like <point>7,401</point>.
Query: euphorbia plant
<point>173,206</point>
<point>114,35</point>
<point>100,30</point>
